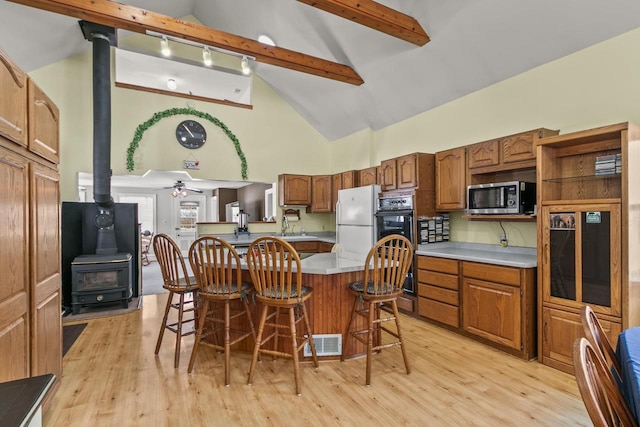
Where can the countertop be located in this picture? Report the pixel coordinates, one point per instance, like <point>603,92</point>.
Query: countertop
<point>511,256</point>
<point>246,239</point>
<point>20,399</point>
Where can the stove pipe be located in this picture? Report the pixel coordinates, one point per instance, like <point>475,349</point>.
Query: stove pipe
<point>102,38</point>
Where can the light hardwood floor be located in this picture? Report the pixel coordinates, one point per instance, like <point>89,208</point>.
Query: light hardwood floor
<point>111,377</point>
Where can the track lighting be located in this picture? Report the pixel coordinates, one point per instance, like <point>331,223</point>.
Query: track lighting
<point>206,57</point>
<point>164,46</point>
<point>246,70</point>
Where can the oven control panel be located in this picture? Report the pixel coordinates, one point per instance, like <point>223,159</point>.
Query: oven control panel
<point>393,203</point>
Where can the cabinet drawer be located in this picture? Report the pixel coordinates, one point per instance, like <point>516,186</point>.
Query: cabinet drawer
<point>442,265</point>
<point>492,273</point>
<point>438,294</point>
<point>438,311</point>
<point>438,279</point>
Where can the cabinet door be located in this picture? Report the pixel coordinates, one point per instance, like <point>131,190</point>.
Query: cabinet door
<point>14,264</point>
<point>368,176</point>
<point>492,311</point>
<point>518,148</point>
<point>406,167</point>
<point>46,344</point>
<point>294,190</point>
<point>560,329</point>
<point>321,193</point>
<point>581,257</point>
<point>13,102</point>
<point>389,175</point>
<point>484,154</point>
<point>336,185</point>
<point>349,179</point>
<point>44,118</point>
<point>451,182</point>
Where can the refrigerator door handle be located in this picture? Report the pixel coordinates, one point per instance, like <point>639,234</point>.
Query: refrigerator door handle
<point>338,214</point>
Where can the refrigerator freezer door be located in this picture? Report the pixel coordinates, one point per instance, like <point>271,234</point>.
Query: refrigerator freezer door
<point>356,206</point>
<point>355,239</point>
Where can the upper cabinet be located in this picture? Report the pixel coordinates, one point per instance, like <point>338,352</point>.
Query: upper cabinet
<point>451,183</point>
<point>13,102</point>
<point>321,197</point>
<point>407,172</point>
<point>44,117</point>
<point>368,176</point>
<point>294,190</point>
<point>509,158</point>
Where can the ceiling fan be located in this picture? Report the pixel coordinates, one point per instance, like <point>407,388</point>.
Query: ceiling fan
<point>180,189</point>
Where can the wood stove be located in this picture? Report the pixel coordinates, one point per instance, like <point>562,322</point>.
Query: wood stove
<point>98,279</point>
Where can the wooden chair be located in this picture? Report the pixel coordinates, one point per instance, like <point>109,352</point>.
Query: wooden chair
<point>600,393</point>
<point>217,269</point>
<point>597,336</point>
<point>386,268</point>
<point>177,282</point>
<point>271,263</point>
<point>146,237</point>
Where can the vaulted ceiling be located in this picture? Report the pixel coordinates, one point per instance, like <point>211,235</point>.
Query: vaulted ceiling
<point>473,44</point>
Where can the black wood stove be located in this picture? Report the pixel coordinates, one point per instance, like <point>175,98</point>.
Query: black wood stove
<point>99,279</point>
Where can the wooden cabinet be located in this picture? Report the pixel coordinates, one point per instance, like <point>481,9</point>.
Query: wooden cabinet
<point>294,190</point>
<point>499,305</point>
<point>368,176</point>
<point>451,181</point>
<point>13,102</point>
<point>321,196</point>
<point>438,290</point>
<point>410,171</point>
<point>43,124</point>
<point>504,154</point>
<point>587,252</point>
<point>492,303</point>
<point>310,246</point>
<point>324,247</point>
<point>30,291</point>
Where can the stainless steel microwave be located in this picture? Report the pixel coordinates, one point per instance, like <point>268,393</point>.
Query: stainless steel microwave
<point>514,197</point>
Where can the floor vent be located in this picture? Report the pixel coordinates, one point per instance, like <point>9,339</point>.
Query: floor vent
<point>326,345</point>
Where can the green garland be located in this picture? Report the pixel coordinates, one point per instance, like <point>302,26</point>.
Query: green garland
<point>140,130</point>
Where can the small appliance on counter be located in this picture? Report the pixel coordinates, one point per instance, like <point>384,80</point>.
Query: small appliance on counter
<point>243,223</point>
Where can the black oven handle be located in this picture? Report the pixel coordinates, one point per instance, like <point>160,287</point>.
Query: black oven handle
<point>399,212</point>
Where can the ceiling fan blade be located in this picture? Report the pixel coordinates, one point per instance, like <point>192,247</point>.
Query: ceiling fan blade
<point>195,190</point>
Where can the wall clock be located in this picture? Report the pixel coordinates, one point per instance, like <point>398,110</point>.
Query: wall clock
<point>191,134</point>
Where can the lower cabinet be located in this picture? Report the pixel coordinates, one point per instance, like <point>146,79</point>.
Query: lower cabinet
<point>560,328</point>
<point>493,303</point>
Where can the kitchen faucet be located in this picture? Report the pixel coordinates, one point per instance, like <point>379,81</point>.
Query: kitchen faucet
<point>285,225</point>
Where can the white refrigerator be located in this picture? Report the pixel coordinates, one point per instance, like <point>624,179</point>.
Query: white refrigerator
<point>356,221</point>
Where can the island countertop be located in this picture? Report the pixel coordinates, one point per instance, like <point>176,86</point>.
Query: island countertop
<point>511,256</point>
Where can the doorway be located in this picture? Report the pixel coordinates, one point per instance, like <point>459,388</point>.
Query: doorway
<point>187,212</point>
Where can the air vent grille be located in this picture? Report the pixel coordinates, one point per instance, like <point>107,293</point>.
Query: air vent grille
<point>326,345</point>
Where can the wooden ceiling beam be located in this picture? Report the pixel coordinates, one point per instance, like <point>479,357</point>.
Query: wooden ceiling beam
<point>139,20</point>
<point>376,16</point>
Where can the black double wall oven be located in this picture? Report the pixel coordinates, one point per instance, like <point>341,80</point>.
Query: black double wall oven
<point>395,216</point>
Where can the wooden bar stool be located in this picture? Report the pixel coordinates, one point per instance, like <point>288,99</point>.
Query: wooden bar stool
<point>177,282</point>
<point>216,266</point>
<point>386,267</point>
<point>271,263</point>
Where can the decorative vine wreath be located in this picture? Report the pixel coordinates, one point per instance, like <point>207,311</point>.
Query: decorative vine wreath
<point>140,130</point>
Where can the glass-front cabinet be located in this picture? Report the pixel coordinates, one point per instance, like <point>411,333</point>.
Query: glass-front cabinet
<point>581,256</point>
<point>587,195</point>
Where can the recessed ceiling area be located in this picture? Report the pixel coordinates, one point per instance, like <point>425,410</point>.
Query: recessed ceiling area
<point>473,44</point>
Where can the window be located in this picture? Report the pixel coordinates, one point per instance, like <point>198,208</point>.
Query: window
<point>146,208</point>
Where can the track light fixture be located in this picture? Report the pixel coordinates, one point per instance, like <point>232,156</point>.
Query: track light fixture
<point>206,57</point>
<point>164,46</point>
<point>246,70</point>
